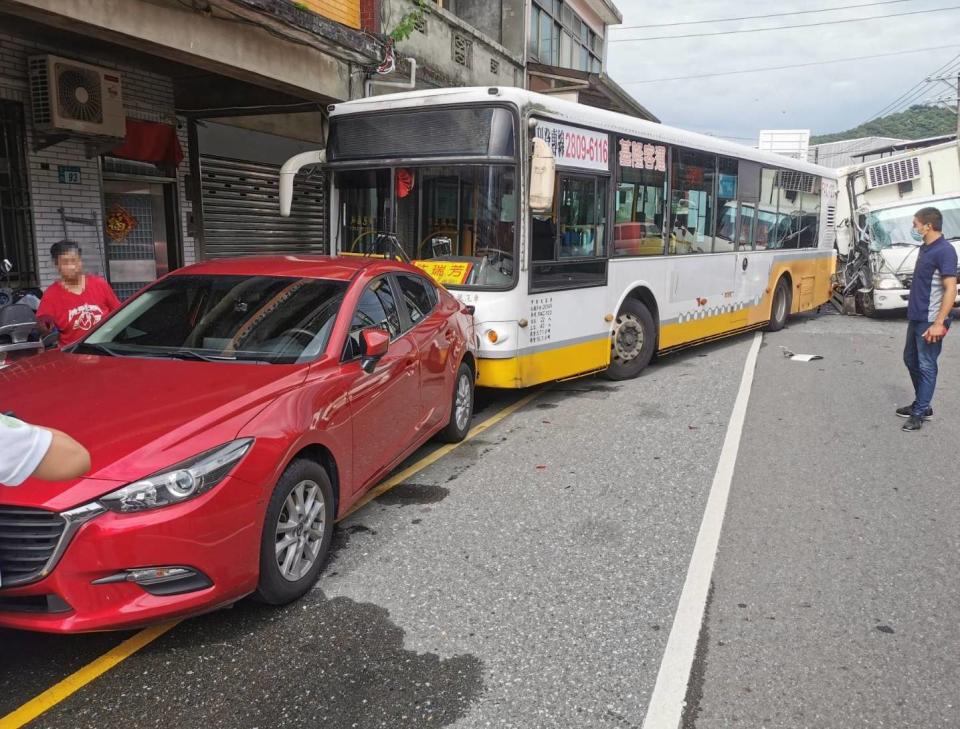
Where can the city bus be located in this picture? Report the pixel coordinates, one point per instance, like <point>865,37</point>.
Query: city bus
<point>585,240</point>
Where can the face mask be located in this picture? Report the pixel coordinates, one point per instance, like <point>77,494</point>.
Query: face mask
<point>916,235</point>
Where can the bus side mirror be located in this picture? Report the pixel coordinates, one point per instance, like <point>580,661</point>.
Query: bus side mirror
<point>289,170</point>
<point>543,169</point>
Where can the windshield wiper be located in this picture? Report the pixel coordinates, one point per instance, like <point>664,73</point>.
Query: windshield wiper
<point>191,354</point>
<point>95,349</point>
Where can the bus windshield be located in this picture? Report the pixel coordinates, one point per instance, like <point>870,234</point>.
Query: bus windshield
<point>892,226</point>
<point>458,222</point>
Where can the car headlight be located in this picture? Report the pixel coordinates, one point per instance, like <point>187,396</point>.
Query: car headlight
<point>180,482</point>
<point>887,281</point>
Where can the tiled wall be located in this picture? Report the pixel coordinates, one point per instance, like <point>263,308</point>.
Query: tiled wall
<point>147,96</point>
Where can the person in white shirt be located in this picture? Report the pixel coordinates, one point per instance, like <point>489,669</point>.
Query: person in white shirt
<point>27,450</point>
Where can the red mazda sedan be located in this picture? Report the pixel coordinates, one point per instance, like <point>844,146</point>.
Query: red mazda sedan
<point>232,410</point>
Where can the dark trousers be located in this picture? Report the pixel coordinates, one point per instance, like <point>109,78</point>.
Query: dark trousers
<point>920,357</point>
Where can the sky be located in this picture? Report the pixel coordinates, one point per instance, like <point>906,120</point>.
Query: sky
<point>823,98</point>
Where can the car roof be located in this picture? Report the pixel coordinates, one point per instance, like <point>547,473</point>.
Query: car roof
<point>338,268</point>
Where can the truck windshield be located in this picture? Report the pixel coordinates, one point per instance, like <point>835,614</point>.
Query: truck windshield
<point>457,222</point>
<point>892,226</point>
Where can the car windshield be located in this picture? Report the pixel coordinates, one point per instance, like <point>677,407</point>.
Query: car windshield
<point>892,226</point>
<point>264,319</point>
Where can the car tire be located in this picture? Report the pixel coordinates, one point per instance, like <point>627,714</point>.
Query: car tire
<point>288,573</point>
<point>633,341</point>
<point>461,406</point>
<point>780,308</point>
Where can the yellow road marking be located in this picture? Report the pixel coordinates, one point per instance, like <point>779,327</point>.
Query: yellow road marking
<point>80,678</point>
<point>406,473</point>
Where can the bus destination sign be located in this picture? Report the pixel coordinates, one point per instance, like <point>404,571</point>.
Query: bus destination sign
<point>575,147</point>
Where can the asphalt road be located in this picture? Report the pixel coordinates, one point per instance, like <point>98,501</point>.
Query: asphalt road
<point>530,577</point>
<point>836,591</point>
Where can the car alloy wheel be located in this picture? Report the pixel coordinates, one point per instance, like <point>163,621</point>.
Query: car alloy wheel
<point>300,530</point>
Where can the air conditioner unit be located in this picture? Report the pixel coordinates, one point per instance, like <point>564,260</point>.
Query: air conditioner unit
<point>892,173</point>
<point>76,98</point>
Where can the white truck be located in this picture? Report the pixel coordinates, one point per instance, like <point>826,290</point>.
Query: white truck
<point>875,251</point>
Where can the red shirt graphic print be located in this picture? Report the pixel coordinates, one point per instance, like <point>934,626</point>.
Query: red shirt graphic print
<point>76,314</point>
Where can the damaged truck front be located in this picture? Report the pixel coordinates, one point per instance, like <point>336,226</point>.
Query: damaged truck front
<point>876,253</point>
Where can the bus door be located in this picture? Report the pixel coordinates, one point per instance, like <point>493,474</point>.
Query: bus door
<point>702,261</point>
<point>753,263</point>
<point>566,332</point>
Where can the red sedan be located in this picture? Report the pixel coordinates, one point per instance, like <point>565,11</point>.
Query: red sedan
<point>232,410</point>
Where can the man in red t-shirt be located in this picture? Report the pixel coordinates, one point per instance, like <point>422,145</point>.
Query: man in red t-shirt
<point>78,301</point>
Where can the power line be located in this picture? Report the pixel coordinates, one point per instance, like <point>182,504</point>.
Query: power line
<point>757,17</point>
<point>912,93</point>
<point>783,27</point>
<point>780,68</point>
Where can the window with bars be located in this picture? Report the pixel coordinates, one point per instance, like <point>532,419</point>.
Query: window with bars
<point>16,231</point>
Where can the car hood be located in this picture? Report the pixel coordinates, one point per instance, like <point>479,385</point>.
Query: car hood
<point>136,416</point>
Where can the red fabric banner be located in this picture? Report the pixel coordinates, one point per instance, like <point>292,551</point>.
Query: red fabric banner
<point>150,142</point>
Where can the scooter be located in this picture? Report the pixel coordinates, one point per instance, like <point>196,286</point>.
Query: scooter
<point>20,334</point>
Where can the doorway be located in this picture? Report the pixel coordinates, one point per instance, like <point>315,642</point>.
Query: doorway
<point>140,230</point>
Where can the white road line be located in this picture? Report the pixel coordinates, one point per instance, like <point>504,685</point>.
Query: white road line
<point>666,704</point>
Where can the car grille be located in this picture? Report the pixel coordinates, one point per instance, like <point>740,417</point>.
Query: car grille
<point>906,281</point>
<point>28,540</point>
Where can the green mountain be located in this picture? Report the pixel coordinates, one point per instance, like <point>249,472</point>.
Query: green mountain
<point>916,122</point>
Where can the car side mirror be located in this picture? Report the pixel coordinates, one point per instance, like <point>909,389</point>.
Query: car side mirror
<point>374,343</point>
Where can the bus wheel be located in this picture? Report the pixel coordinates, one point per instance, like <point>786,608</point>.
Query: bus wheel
<point>780,309</point>
<point>632,341</point>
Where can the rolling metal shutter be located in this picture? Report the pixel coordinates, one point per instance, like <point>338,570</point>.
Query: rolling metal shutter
<point>241,210</point>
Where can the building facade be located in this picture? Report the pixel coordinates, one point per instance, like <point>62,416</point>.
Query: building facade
<point>567,43</point>
<point>151,132</point>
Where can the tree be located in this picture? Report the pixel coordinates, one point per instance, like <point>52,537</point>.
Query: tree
<point>916,122</point>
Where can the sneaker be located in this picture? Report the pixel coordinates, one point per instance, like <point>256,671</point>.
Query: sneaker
<point>907,411</point>
<point>913,423</point>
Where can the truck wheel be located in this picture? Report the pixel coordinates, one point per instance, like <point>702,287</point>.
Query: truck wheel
<point>865,304</point>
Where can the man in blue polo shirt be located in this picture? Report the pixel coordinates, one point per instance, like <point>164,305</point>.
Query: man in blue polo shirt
<point>932,294</point>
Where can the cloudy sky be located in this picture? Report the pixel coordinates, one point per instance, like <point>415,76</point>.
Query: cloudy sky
<point>823,98</point>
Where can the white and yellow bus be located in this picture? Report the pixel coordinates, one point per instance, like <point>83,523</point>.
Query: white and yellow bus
<point>585,240</point>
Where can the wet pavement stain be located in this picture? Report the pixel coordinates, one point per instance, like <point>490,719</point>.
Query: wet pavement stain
<point>339,541</point>
<point>317,662</point>
<point>546,406</point>
<point>698,671</point>
<point>649,411</point>
<point>414,493</point>
<point>593,391</point>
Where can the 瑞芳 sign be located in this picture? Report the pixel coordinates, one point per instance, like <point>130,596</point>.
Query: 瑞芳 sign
<point>446,272</point>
